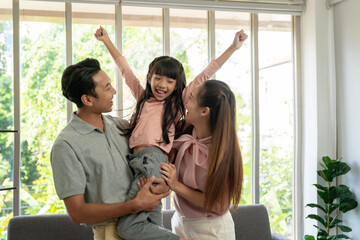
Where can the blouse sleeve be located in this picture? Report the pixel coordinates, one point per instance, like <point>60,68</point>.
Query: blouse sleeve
<point>130,79</point>
<point>205,75</point>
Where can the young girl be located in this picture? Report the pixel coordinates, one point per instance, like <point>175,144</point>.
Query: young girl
<point>207,173</point>
<point>158,109</point>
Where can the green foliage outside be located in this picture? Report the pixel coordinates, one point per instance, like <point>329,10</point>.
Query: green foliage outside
<point>43,115</point>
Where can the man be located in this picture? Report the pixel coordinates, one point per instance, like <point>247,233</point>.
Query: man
<point>88,159</point>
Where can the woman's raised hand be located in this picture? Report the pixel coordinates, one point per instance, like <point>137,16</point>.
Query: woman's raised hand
<point>101,34</point>
<point>239,39</point>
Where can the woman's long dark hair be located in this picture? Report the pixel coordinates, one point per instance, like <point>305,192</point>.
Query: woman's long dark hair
<point>225,176</point>
<point>173,106</point>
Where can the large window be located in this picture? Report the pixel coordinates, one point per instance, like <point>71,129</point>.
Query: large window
<point>276,114</point>
<point>42,106</point>
<point>236,72</point>
<point>188,40</point>
<point>260,74</point>
<point>6,115</point>
<point>142,42</point>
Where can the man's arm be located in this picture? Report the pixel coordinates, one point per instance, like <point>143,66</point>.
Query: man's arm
<point>81,212</point>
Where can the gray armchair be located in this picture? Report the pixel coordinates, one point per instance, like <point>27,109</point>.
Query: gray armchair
<point>251,223</point>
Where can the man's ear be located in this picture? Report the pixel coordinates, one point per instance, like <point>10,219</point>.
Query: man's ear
<point>87,100</point>
<point>205,112</point>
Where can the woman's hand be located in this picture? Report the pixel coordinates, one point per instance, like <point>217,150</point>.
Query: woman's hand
<point>168,173</point>
<point>239,39</point>
<point>101,34</point>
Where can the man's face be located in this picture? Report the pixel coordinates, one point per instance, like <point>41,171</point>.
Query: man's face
<point>105,93</point>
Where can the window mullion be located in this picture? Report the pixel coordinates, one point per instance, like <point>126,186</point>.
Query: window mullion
<point>68,27</point>
<point>166,31</point>
<point>17,139</point>
<point>211,35</point>
<point>297,163</point>
<point>255,153</point>
<point>119,80</point>
<point>166,52</point>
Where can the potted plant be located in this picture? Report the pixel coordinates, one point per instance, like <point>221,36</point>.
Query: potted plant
<point>335,200</point>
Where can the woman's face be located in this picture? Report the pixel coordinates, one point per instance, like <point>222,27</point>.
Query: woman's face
<point>193,110</point>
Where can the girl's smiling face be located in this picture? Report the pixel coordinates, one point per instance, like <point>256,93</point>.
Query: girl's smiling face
<point>162,86</point>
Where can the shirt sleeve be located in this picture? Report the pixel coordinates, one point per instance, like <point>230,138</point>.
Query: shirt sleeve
<point>68,173</point>
<point>205,75</point>
<point>130,79</point>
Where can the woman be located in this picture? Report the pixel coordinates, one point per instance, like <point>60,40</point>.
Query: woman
<point>207,174</point>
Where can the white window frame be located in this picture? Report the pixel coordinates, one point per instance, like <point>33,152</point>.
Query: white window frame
<point>295,8</point>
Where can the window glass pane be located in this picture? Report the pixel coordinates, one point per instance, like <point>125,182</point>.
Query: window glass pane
<point>6,115</point>
<point>188,40</point>
<point>142,42</point>
<point>236,72</point>
<point>276,102</point>
<point>42,106</point>
<point>86,18</point>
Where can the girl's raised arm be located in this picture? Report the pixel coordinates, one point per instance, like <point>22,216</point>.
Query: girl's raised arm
<point>103,36</point>
<point>131,80</point>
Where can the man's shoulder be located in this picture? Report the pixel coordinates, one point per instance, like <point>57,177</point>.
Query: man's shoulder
<point>67,134</point>
<point>119,122</point>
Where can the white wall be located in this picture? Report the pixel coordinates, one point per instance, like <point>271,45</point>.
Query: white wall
<point>347,46</point>
<point>330,51</point>
<point>318,110</point>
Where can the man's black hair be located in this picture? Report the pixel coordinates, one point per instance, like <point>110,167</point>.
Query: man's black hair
<point>77,80</point>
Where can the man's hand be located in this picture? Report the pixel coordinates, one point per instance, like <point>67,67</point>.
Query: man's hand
<point>159,188</point>
<point>147,201</point>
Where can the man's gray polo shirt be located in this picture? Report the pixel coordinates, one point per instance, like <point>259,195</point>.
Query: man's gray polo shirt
<point>87,161</point>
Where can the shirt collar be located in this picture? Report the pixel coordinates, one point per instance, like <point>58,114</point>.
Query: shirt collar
<point>81,126</point>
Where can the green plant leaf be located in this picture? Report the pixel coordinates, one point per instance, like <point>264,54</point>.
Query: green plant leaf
<point>333,169</point>
<point>313,205</point>
<point>333,207</point>
<point>341,169</point>
<point>320,236</point>
<point>326,160</point>
<point>347,205</point>
<point>343,192</point>
<point>344,228</point>
<point>336,221</point>
<point>329,195</point>
<point>318,186</point>
<point>341,236</point>
<point>309,237</point>
<point>324,175</point>
<point>318,218</point>
<point>321,232</point>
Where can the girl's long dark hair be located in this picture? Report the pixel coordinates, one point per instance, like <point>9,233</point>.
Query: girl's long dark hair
<point>173,106</point>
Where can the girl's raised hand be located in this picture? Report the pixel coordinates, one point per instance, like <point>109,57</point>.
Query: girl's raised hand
<point>168,173</point>
<point>239,39</point>
<point>101,34</point>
